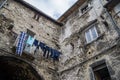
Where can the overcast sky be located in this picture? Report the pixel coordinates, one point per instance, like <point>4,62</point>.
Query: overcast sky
<point>53,8</point>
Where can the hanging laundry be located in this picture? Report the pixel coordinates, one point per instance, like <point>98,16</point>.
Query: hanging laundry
<point>42,46</point>
<point>55,54</point>
<point>52,53</point>
<point>36,49</point>
<point>33,48</point>
<point>36,43</point>
<point>21,42</point>
<point>28,48</point>
<point>47,51</point>
<point>30,40</point>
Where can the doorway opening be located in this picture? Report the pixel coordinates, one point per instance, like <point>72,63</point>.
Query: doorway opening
<point>101,72</point>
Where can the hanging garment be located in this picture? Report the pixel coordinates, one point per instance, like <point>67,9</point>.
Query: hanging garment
<point>55,54</point>
<point>21,42</point>
<point>42,46</point>
<point>36,43</point>
<point>36,49</point>
<point>33,49</point>
<point>28,48</point>
<point>47,51</point>
<point>52,53</point>
<point>30,40</point>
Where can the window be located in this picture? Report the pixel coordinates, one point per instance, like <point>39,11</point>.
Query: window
<point>101,72</point>
<point>36,16</point>
<point>91,34</point>
<point>31,33</point>
<point>84,9</point>
<point>10,26</point>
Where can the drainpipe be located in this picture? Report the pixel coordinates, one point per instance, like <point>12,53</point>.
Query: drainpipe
<point>3,4</point>
<point>112,20</point>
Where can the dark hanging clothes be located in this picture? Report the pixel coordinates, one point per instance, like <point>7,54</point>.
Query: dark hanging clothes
<point>42,46</point>
<point>52,53</point>
<point>47,51</point>
<point>37,48</point>
<point>55,54</point>
<point>35,43</point>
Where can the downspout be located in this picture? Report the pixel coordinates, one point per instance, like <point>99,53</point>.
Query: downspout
<point>3,4</point>
<point>112,20</point>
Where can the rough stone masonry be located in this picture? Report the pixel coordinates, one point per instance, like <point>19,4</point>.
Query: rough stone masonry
<point>88,39</point>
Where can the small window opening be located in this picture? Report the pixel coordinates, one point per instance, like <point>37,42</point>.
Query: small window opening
<point>36,16</point>
<point>84,9</point>
<point>89,52</point>
<point>105,23</point>
<point>48,34</point>
<point>101,72</point>
<point>10,27</point>
<point>31,26</point>
<point>29,32</point>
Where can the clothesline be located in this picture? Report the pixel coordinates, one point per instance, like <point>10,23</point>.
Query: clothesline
<point>25,42</point>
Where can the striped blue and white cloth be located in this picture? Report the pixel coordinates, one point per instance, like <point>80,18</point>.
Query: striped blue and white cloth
<point>21,42</point>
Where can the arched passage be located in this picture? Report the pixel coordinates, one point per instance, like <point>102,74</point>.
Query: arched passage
<point>12,68</point>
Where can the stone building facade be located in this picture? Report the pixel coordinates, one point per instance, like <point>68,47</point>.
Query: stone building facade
<point>26,18</point>
<point>88,38</point>
<point>90,42</point>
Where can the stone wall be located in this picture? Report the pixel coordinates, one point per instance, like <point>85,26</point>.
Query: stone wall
<point>21,18</point>
<point>45,30</point>
<point>78,55</point>
<point>83,71</point>
<point>115,12</point>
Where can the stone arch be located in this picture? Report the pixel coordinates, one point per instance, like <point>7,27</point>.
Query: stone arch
<point>13,68</point>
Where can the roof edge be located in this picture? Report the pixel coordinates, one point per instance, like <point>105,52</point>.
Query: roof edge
<point>38,11</point>
<point>70,10</point>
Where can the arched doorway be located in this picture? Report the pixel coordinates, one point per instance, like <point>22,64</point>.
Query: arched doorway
<point>12,68</point>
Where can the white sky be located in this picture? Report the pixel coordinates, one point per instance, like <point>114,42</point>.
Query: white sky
<point>53,8</point>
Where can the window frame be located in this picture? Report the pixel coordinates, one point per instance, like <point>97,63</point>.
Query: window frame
<point>85,8</point>
<point>89,31</point>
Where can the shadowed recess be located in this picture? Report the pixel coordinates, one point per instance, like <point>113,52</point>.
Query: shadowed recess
<point>12,68</point>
